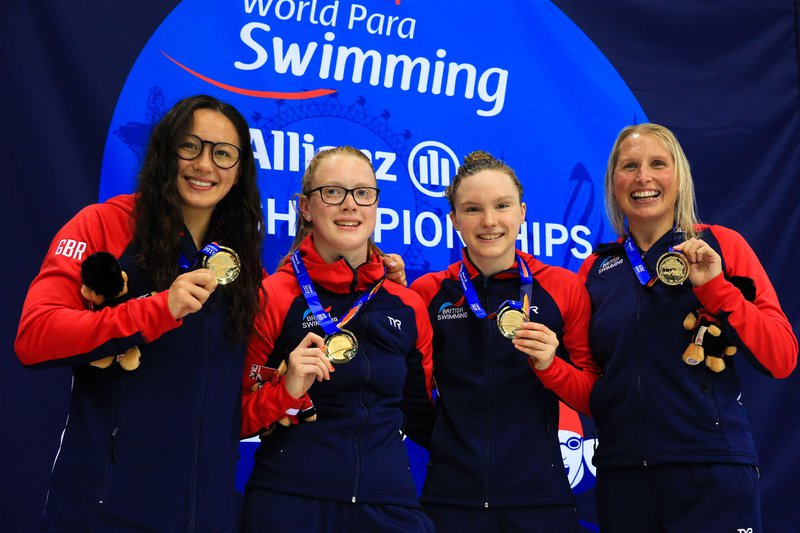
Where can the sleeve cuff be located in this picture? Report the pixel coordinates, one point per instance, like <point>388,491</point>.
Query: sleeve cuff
<point>285,402</point>
<point>718,294</point>
<point>156,317</point>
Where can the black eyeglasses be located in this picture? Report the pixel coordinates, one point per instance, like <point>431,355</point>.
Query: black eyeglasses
<point>224,155</point>
<point>335,195</point>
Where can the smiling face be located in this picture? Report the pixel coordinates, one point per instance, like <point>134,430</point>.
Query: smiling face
<point>488,213</point>
<point>201,183</point>
<point>340,230</point>
<point>645,185</point>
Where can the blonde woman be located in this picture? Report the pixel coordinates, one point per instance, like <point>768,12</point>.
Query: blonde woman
<point>676,452</point>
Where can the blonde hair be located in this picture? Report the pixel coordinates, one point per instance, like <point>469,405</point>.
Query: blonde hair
<point>475,162</point>
<point>685,212</point>
<point>303,227</point>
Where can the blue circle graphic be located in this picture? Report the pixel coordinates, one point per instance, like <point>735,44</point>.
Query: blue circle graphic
<point>416,85</point>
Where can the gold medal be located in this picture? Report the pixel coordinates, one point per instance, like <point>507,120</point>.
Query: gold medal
<point>341,347</point>
<point>509,321</point>
<point>225,264</point>
<point>672,268</point>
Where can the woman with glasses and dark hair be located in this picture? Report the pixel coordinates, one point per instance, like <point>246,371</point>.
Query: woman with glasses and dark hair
<point>354,344</point>
<point>510,338</point>
<point>155,448</point>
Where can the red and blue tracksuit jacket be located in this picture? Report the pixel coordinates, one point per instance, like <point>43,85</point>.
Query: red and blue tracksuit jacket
<point>153,449</point>
<point>649,406</point>
<point>495,441</point>
<point>354,451</point>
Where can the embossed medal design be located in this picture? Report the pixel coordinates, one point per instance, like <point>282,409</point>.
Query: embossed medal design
<point>672,268</point>
<point>225,263</point>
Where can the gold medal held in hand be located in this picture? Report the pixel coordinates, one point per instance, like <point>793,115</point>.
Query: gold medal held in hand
<point>225,263</point>
<point>509,320</point>
<point>672,268</point>
<point>341,347</point>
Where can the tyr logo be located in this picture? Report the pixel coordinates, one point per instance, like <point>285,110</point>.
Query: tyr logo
<point>394,322</point>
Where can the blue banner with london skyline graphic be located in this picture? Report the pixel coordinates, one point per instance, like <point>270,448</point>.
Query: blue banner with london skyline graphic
<point>408,84</point>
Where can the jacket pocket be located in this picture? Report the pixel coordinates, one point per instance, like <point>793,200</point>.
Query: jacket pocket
<point>112,460</point>
<point>708,391</point>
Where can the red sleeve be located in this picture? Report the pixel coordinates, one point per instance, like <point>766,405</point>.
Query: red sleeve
<point>426,287</point>
<point>572,382</point>
<point>270,402</point>
<point>761,325</point>
<point>424,345</point>
<point>586,266</point>
<point>57,326</point>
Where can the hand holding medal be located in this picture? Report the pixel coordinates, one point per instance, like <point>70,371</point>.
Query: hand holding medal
<point>307,363</point>
<point>704,262</point>
<point>189,292</point>
<point>538,342</point>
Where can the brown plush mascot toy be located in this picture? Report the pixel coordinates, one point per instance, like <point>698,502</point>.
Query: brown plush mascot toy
<point>708,344</point>
<point>106,284</point>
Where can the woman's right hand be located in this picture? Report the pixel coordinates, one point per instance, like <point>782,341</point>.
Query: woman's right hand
<point>190,291</point>
<point>704,262</point>
<point>307,363</point>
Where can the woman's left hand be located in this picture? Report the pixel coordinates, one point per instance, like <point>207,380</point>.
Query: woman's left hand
<point>538,341</point>
<point>704,262</point>
<point>395,268</point>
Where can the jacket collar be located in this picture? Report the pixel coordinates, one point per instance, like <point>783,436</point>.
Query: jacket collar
<point>511,272</point>
<point>337,277</point>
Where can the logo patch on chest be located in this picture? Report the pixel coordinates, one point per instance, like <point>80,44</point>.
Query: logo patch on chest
<point>609,262</point>
<point>452,311</point>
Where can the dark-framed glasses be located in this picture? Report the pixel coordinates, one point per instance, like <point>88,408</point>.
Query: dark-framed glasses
<point>224,155</point>
<point>335,195</point>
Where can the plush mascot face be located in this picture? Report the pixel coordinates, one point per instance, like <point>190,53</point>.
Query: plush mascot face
<point>92,296</point>
<point>98,299</point>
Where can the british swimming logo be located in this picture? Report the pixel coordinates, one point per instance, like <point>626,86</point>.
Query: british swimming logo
<point>453,310</point>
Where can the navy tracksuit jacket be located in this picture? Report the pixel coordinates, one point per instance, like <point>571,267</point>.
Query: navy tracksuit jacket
<point>649,406</point>
<point>495,441</point>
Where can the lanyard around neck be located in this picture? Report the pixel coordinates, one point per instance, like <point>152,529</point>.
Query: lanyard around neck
<point>525,290</point>
<point>312,298</point>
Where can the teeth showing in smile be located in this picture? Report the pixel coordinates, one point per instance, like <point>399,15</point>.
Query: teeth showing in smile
<point>197,183</point>
<point>348,224</point>
<point>641,195</point>
<point>490,236</point>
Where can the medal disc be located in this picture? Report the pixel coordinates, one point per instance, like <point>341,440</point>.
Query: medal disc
<point>341,347</point>
<point>225,264</point>
<point>672,268</point>
<point>509,321</point>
